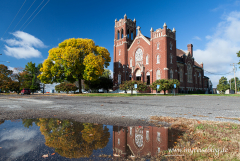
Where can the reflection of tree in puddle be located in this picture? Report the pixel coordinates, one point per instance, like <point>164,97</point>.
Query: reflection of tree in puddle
<point>142,141</point>
<point>1,122</point>
<point>71,139</point>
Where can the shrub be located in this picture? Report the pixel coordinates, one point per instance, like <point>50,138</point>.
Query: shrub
<point>66,87</point>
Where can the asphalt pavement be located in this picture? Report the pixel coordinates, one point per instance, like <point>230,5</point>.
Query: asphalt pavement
<point>119,110</point>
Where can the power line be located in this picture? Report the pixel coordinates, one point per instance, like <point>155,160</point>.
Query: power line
<point>216,73</point>
<point>31,14</point>
<point>14,17</point>
<point>37,13</point>
<point>23,15</point>
<point>13,20</point>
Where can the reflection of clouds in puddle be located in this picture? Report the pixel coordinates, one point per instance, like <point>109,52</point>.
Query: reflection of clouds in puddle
<point>17,141</point>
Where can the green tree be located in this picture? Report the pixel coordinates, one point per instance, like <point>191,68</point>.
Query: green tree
<point>33,72</point>
<point>238,55</point>
<point>66,87</point>
<point>75,59</point>
<point>232,83</point>
<point>129,85</point>
<point>165,84</point>
<point>5,78</point>
<point>223,85</point>
<point>106,73</point>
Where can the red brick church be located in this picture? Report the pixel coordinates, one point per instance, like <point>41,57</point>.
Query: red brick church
<point>138,57</point>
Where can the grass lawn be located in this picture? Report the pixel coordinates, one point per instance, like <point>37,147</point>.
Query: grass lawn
<point>191,139</point>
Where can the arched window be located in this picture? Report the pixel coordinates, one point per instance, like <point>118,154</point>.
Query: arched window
<point>158,74</point>
<point>189,73</point>
<point>171,45</point>
<point>196,77</point>
<point>131,35</point>
<point>130,62</point>
<point>200,78</point>
<point>119,79</point>
<point>121,33</point>
<point>171,74</point>
<point>171,57</point>
<point>147,59</point>
<point>158,59</point>
<point>119,52</point>
<point>148,78</point>
<point>119,64</point>
<point>130,77</point>
<point>181,75</point>
<point>139,55</point>
<point>128,34</point>
<point>118,35</point>
<point>157,46</point>
<point>161,33</point>
<point>138,75</point>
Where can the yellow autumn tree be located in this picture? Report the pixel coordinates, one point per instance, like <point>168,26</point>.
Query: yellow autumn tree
<point>75,59</point>
<point>69,138</point>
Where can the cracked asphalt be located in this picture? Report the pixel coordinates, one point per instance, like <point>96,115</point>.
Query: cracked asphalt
<point>125,111</point>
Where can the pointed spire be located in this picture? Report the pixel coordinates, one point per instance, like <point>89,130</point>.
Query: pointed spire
<point>151,29</point>
<point>134,20</point>
<point>174,30</point>
<point>138,29</point>
<point>115,20</point>
<point>164,25</point>
<point>125,15</point>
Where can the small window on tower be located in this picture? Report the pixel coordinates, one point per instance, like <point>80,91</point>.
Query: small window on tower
<point>128,35</point>
<point>147,59</point>
<point>157,46</point>
<point>119,64</point>
<point>131,35</point>
<point>171,58</point>
<point>171,74</point>
<point>122,34</point>
<point>119,52</point>
<point>131,62</point>
<point>118,35</point>
<point>171,46</point>
<point>158,59</point>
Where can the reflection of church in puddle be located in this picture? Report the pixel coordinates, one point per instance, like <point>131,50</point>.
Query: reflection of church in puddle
<point>139,141</point>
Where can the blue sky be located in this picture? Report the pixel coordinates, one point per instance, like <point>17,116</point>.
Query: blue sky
<point>213,27</point>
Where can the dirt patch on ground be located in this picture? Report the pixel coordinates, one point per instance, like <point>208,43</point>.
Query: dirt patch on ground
<point>200,140</point>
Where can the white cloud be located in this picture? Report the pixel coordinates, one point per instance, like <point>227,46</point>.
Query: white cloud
<point>13,69</point>
<point>23,46</point>
<point>221,49</point>
<point>197,38</point>
<point>17,141</point>
<point>208,37</point>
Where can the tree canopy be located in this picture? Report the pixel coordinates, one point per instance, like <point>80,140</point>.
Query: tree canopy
<point>69,138</point>
<point>5,77</point>
<point>223,84</point>
<point>75,59</point>
<point>165,84</point>
<point>129,85</point>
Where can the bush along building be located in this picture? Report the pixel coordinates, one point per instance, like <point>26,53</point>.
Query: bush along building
<point>138,57</point>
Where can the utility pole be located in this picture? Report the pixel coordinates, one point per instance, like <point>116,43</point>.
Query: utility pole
<point>234,70</point>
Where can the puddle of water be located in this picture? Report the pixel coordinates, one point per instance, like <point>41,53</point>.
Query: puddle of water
<point>57,139</point>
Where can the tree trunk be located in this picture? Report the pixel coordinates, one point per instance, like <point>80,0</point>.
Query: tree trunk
<point>80,84</point>
<point>131,91</point>
<point>164,92</point>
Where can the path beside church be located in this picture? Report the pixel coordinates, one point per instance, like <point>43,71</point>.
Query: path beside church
<point>119,110</point>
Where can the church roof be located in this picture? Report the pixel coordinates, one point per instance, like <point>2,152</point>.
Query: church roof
<point>180,53</point>
<point>147,38</point>
<point>196,64</point>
